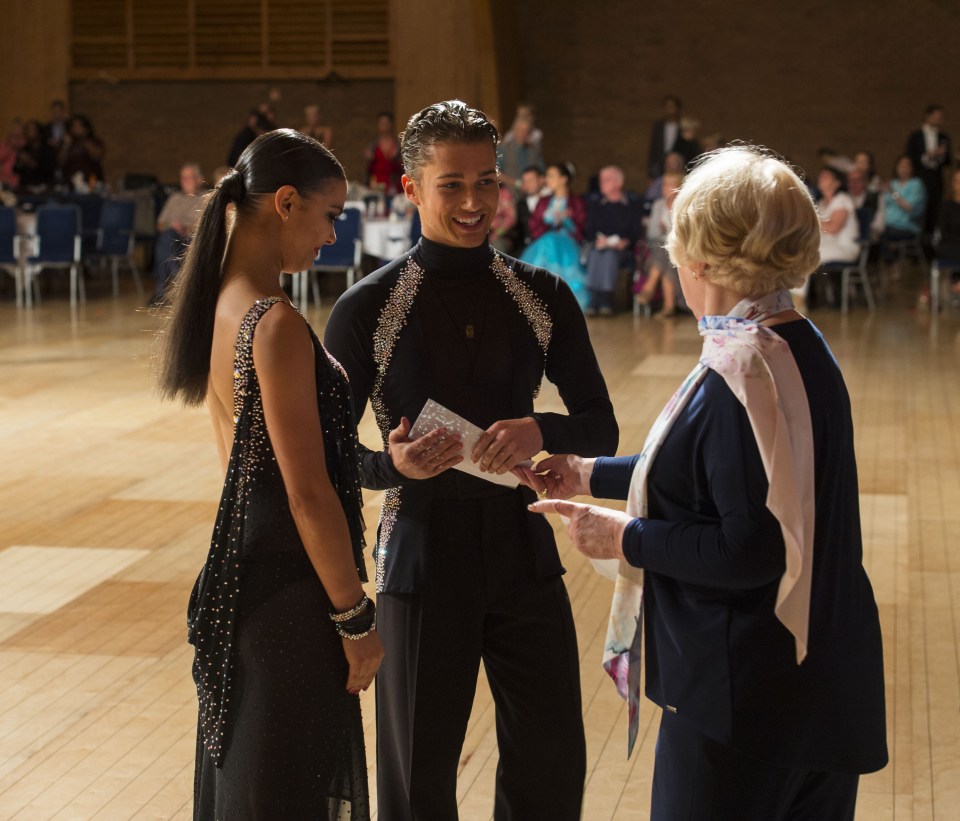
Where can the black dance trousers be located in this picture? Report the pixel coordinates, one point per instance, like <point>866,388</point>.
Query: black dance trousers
<point>521,627</point>
<point>698,779</point>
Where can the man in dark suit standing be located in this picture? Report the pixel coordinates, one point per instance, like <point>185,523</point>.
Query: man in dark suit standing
<point>929,150</point>
<point>664,135</point>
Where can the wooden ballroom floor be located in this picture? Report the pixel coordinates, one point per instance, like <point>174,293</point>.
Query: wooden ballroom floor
<point>107,498</point>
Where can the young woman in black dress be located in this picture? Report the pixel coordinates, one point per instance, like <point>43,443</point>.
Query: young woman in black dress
<point>284,635</point>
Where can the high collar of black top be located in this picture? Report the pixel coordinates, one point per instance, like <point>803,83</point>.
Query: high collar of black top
<point>450,262</point>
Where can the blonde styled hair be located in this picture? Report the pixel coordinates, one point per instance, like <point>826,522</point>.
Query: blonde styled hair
<point>746,214</point>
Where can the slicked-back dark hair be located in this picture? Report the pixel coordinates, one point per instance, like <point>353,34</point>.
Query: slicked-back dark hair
<point>451,121</point>
<point>273,160</point>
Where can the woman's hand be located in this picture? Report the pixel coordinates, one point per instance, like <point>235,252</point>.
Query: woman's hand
<point>364,657</point>
<point>564,475</point>
<point>597,532</point>
<point>426,457</point>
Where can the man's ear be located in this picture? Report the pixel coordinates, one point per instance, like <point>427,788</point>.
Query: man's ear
<point>411,188</point>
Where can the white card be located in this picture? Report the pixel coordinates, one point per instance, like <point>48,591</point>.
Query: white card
<point>434,415</point>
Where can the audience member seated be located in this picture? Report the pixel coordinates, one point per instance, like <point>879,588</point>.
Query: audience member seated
<point>868,205</point>
<point>520,153</point>
<point>614,225</point>
<point>904,204</point>
<point>81,154</point>
<point>174,228</point>
<point>313,125</point>
<point>257,124</point>
<point>674,165</point>
<point>839,228</point>
<point>36,162</point>
<point>659,270</point>
<point>948,247</point>
<point>838,219</point>
<point>866,164</point>
<point>501,228</point>
<point>532,188</point>
<point>58,127</point>
<point>10,149</point>
<point>384,165</point>
<point>556,231</point>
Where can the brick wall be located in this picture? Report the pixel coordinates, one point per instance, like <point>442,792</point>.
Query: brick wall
<point>792,75</point>
<point>154,127</point>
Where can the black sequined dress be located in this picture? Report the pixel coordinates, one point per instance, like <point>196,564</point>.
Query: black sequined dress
<point>278,735</point>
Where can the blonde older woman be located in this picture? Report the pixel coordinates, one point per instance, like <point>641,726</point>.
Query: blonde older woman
<point>763,639</point>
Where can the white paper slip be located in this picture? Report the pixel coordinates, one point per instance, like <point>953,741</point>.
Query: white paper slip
<point>434,415</point>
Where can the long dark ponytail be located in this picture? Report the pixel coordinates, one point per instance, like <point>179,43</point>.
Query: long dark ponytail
<point>277,158</point>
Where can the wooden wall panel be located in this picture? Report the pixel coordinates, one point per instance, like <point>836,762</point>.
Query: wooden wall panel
<point>34,58</point>
<point>441,51</point>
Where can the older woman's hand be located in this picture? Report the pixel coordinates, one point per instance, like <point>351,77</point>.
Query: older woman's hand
<point>597,532</point>
<point>564,475</point>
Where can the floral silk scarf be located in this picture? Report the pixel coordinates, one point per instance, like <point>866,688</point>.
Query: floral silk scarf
<point>759,368</point>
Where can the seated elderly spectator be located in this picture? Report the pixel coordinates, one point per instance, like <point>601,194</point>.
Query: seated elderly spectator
<point>614,225</point>
<point>904,204</point>
<point>174,228</point>
<point>520,153</point>
<point>36,161</point>
<point>81,153</point>
<point>659,270</point>
<point>9,149</point>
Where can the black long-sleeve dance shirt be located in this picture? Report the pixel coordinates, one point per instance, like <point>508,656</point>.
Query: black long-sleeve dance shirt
<point>477,333</point>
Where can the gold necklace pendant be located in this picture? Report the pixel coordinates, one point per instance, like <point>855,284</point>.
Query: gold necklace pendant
<point>470,330</point>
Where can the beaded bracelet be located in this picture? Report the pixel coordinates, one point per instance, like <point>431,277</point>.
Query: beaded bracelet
<point>356,610</point>
<point>357,622</point>
<point>355,636</point>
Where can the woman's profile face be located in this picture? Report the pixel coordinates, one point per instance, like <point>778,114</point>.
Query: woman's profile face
<point>904,168</point>
<point>310,226</point>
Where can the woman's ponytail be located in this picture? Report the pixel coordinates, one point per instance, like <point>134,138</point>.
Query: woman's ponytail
<point>184,354</point>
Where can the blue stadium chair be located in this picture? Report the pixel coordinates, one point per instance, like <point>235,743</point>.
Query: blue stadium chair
<point>56,245</point>
<point>91,207</point>
<point>10,250</point>
<point>116,238</point>
<point>343,255</point>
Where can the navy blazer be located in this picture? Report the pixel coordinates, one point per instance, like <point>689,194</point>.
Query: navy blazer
<point>713,555</point>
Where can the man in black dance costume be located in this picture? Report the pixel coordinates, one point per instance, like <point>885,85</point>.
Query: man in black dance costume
<point>464,572</point>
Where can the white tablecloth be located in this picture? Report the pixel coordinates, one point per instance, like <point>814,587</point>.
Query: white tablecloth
<point>386,238</point>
